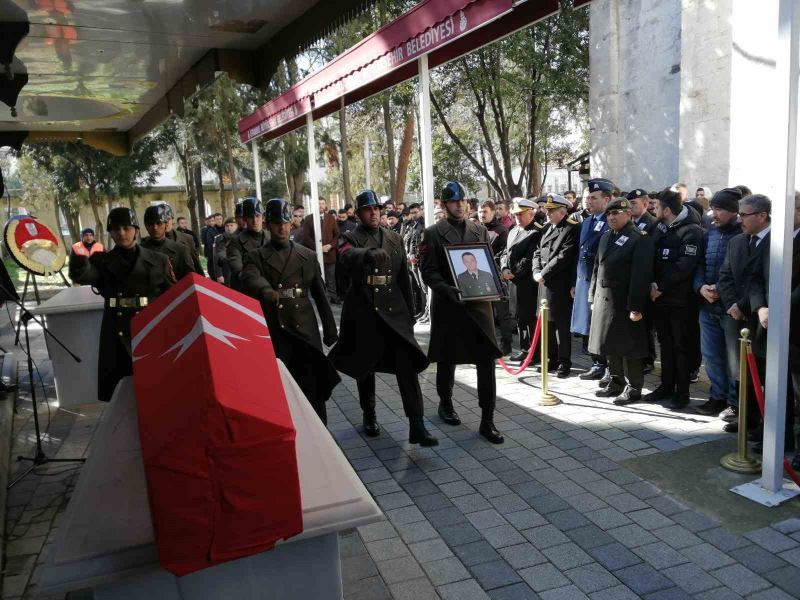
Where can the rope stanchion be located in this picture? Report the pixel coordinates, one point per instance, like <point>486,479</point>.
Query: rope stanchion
<point>529,357</point>
<point>751,363</point>
<point>546,398</point>
<point>739,461</point>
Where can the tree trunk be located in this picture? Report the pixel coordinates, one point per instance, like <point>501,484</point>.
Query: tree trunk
<point>223,208</point>
<point>58,224</point>
<point>98,224</point>
<point>71,218</point>
<point>191,197</point>
<point>348,193</point>
<point>198,189</point>
<point>404,157</point>
<point>231,164</point>
<point>296,183</point>
<point>387,126</point>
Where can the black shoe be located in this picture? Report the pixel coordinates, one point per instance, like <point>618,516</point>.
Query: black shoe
<point>417,434</point>
<point>593,374</point>
<point>563,370</point>
<point>648,367</point>
<point>679,402</point>
<point>796,462</point>
<point>711,408</point>
<point>628,396</point>
<point>371,427</point>
<point>731,427</point>
<point>518,356</point>
<point>657,395</point>
<point>611,391</point>
<point>730,414</point>
<point>505,347</point>
<point>694,376</point>
<point>448,414</point>
<point>606,379</point>
<point>488,430</point>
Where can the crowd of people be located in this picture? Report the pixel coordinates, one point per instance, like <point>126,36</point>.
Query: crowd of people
<point>619,270</point>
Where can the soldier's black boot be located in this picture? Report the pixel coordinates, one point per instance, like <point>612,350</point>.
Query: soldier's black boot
<point>371,427</point>
<point>447,413</point>
<point>417,434</point>
<point>490,432</point>
<point>606,379</point>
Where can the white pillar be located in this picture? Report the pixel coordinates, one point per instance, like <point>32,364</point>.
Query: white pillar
<point>780,273</point>
<point>257,170</point>
<point>426,148</point>
<point>366,163</point>
<point>312,181</point>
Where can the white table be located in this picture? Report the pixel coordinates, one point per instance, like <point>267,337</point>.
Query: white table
<point>106,539</point>
<point>73,316</point>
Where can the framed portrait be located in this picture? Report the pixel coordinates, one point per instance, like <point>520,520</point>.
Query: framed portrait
<point>474,271</point>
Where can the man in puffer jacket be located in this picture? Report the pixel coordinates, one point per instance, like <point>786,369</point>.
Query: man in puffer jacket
<point>719,333</point>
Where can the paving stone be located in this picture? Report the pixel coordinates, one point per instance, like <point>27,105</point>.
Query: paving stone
<point>592,578</point>
<point>772,594</point>
<point>514,476</point>
<point>400,569</point>
<point>625,502</point>
<point>395,500</point>
<point>518,591</point>
<point>568,592</point>
<point>462,590</point>
<point>476,553</point>
<point>459,534</point>
<point>522,555</point>
<point>547,503</point>
<point>416,589</point>
<point>530,489</point>
<point>666,505</point>
<point>443,476</point>
<point>674,593</point>
<point>481,475</point>
<point>445,516</point>
<point>643,579</point>
<point>619,592</point>
<point>358,567</point>
<point>786,578</point>
<point>614,556</point>
<point>722,593</point>
<point>472,503</point>
<point>525,519</point>
<point>589,536</point>
<point>694,521</point>
<point>741,579</point>
<point>432,502</point>
<point>486,519</point>
<point>758,559</point>
<point>350,544</point>
<point>607,518</point>
<point>430,550</point>
<point>650,518</point>
<point>586,502</point>
<point>509,503</point>
<point>772,539</point>
<point>691,578</point>
<point>424,487</point>
<point>387,486</point>
<point>566,556</point>
<point>455,489</point>
<point>677,536</point>
<point>724,539</point>
<point>792,556</point>
<point>707,557</point>
<point>632,535</point>
<point>788,526</point>
<point>660,555</point>
<point>445,570</point>
<point>387,549</point>
<point>545,536</point>
<point>543,577</point>
<point>504,535</point>
<point>567,519</point>
<point>641,489</point>
<point>494,574</point>
<point>417,532</point>
<point>371,588</point>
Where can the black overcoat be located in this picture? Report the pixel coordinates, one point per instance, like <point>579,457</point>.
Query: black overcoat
<point>361,345</point>
<point>556,259</point>
<point>623,270</point>
<point>240,244</point>
<point>112,277</point>
<point>518,258</point>
<point>460,332</point>
<point>187,242</point>
<point>292,321</point>
<point>177,254</point>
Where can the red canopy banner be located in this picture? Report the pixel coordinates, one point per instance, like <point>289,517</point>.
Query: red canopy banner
<point>218,441</point>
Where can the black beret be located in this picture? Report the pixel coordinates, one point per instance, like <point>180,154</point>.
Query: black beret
<point>727,199</point>
<point>618,204</point>
<point>600,185</point>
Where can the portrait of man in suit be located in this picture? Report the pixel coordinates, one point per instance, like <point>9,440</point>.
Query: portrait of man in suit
<point>474,275</point>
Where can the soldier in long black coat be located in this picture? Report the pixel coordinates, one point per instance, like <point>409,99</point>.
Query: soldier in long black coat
<point>554,269</point>
<point>252,237</point>
<point>185,240</point>
<point>128,277</point>
<point>377,329</point>
<point>155,220</point>
<point>284,276</point>
<point>461,332</point>
<point>619,292</point>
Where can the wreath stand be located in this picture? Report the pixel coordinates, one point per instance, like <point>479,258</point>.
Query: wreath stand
<point>31,278</point>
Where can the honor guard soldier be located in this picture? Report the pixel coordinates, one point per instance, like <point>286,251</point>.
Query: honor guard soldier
<point>155,221</point>
<point>252,237</point>
<point>592,229</point>
<point>128,277</point>
<point>184,239</point>
<point>619,292</point>
<point>222,240</point>
<point>377,329</point>
<point>461,332</point>
<point>554,271</point>
<point>284,276</point>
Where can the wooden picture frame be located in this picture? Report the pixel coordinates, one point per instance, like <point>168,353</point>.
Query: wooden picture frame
<point>475,260</point>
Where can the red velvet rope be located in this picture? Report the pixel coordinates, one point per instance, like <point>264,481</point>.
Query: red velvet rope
<point>528,358</point>
<point>751,363</point>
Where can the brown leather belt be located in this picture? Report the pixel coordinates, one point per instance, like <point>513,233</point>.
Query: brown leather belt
<point>379,279</point>
<point>292,293</point>
<point>126,302</point>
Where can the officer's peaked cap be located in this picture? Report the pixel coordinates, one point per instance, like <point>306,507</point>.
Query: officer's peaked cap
<point>367,198</point>
<point>251,207</point>
<point>278,211</point>
<point>121,217</point>
<point>600,184</point>
<point>556,201</point>
<point>637,193</point>
<point>453,191</point>
<point>618,204</point>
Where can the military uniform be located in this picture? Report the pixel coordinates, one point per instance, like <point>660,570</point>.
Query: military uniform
<point>377,329</point>
<point>177,254</point>
<point>187,242</point>
<point>242,243</point>
<point>220,256</point>
<point>128,279</point>
<point>479,283</point>
<point>592,229</point>
<point>293,274</point>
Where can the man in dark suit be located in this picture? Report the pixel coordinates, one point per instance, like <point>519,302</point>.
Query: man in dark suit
<point>554,270</point>
<point>284,277</point>
<point>619,292</point>
<point>461,332</point>
<point>377,329</point>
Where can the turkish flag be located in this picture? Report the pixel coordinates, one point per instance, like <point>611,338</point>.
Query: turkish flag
<point>218,442</point>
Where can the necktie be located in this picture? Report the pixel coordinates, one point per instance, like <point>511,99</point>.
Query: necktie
<point>752,245</point>
<point>475,276</point>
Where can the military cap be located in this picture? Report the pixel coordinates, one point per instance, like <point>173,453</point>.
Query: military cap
<point>367,198</point>
<point>727,199</point>
<point>523,204</point>
<point>121,217</point>
<point>237,210</point>
<point>251,207</point>
<point>278,211</point>
<point>637,193</point>
<point>453,191</point>
<point>156,214</point>
<point>618,204</point>
<point>556,201</point>
<point>600,184</point>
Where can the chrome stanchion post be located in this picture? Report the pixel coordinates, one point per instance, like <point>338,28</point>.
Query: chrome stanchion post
<point>546,399</point>
<point>739,461</point>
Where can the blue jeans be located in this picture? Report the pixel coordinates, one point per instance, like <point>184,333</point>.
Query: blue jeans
<point>719,343</point>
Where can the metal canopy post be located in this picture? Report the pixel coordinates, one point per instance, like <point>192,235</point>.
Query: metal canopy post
<point>367,150</point>
<point>781,244</point>
<point>257,170</point>
<point>312,181</point>
<point>425,143</point>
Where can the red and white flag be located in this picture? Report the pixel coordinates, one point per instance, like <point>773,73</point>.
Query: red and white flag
<point>218,442</point>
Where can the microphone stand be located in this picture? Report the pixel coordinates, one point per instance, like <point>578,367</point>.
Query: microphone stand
<point>40,458</point>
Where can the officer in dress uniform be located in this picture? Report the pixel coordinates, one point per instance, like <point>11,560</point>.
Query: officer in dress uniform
<point>377,327</point>
<point>128,277</point>
<point>155,221</point>
<point>592,229</point>
<point>620,287</point>
<point>554,271</point>
<point>185,240</point>
<point>284,276</point>
<point>461,332</point>
<point>252,237</point>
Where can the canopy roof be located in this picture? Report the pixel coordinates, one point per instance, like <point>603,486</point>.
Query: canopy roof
<point>443,29</point>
